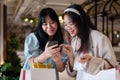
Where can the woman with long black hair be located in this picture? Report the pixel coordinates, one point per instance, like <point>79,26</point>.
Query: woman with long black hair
<point>90,50</point>
<point>37,49</point>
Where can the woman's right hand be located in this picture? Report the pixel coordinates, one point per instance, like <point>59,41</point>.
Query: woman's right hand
<point>67,49</point>
<point>84,58</point>
<point>52,50</point>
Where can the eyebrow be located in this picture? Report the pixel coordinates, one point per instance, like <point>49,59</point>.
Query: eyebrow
<point>69,21</point>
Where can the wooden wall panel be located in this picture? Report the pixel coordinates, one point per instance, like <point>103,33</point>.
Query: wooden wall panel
<point>3,32</point>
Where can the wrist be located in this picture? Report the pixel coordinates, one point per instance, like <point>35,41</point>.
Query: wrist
<point>37,59</point>
<point>71,56</point>
<point>45,55</point>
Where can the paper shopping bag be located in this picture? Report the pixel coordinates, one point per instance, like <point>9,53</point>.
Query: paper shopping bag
<point>43,74</point>
<point>110,74</point>
<point>118,74</point>
<point>39,65</point>
<point>25,74</point>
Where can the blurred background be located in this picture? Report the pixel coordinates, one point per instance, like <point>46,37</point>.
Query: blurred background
<point>19,17</point>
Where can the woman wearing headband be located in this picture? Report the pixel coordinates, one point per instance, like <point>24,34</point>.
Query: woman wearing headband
<point>90,50</point>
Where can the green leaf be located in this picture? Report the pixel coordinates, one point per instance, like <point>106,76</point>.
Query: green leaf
<point>5,67</point>
<point>3,77</point>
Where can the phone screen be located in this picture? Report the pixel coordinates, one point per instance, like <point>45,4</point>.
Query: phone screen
<point>52,43</point>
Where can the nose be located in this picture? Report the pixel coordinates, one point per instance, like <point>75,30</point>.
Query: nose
<point>67,27</point>
<point>49,25</point>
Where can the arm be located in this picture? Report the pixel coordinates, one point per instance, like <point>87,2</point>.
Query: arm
<point>67,49</point>
<point>58,61</point>
<point>30,49</point>
<point>103,55</point>
<point>33,53</point>
<point>69,67</point>
<point>54,53</point>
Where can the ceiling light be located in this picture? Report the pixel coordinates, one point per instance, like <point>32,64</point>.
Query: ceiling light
<point>26,19</point>
<point>31,21</point>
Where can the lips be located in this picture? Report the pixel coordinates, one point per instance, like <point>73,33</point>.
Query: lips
<point>71,32</point>
<point>51,31</point>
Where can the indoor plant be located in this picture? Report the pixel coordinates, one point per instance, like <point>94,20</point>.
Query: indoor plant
<point>11,68</point>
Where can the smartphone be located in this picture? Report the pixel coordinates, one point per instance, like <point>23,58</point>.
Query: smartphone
<point>52,43</point>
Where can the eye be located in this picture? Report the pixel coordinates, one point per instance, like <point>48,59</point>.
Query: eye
<point>65,24</point>
<point>52,22</point>
<point>71,23</point>
<point>44,24</point>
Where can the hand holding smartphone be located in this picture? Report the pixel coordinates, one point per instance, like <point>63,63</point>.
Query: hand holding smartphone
<point>51,43</point>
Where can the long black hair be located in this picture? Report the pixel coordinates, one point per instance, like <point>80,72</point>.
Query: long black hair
<point>82,23</point>
<point>42,36</point>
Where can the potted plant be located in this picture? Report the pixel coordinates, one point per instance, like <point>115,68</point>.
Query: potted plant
<point>10,70</point>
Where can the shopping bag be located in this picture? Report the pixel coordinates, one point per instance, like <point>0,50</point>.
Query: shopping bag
<point>43,74</point>
<point>25,74</point>
<point>110,74</point>
<point>40,71</point>
<point>118,74</point>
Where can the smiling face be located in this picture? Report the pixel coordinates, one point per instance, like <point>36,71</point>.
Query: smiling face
<point>69,26</point>
<point>49,26</point>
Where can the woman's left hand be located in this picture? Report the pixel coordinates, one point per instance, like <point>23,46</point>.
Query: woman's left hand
<point>56,57</point>
<point>84,58</point>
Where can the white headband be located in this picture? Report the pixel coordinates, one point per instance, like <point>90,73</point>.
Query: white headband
<point>72,10</point>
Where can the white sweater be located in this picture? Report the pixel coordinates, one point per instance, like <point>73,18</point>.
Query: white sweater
<point>100,49</point>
